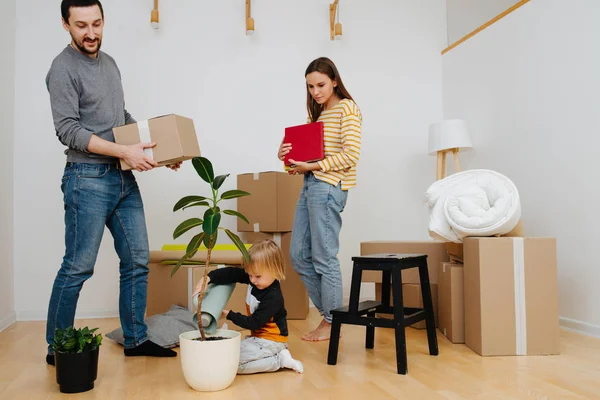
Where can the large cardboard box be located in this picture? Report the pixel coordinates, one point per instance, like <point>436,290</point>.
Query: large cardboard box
<point>455,250</point>
<point>164,290</point>
<point>294,292</point>
<point>451,303</point>
<point>174,135</point>
<point>413,298</point>
<point>436,253</point>
<point>511,296</point>
<point>272,201</point>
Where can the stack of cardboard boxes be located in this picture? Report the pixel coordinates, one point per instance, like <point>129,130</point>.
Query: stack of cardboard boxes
<point>451,290</point>
<point>270,210</point>
<point>498,295</point>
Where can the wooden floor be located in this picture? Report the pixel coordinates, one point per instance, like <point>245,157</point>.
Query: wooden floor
<point>457,373</point>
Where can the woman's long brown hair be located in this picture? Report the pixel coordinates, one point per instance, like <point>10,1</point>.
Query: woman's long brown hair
<point>325,66</point>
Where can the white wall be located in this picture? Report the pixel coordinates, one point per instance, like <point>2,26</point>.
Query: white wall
<point>528,86</point>
<point>464,16</point>
<point>241,91</point>
<point>7,114</point>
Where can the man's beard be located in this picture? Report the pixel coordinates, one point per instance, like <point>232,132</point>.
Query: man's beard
<point>83,49</point>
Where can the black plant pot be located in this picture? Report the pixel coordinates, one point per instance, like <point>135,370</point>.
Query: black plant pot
<point>76,372</point>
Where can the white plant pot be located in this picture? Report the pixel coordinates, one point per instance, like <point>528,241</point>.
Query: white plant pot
<point>209,366</point>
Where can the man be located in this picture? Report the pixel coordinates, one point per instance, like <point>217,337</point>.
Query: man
<point>87,101</point>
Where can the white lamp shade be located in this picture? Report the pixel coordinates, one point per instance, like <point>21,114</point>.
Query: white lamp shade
<point>449,134</point>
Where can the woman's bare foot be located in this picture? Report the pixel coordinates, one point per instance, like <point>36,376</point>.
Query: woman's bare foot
<point>307,335</point>
<point>322,332</point>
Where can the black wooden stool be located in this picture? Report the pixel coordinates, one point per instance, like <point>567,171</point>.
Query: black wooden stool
<point>363,313</point>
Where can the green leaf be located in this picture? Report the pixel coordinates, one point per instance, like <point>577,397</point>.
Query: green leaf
<point>186,226</point>
<point>198,204</point>
<point>208,238</point>
<point>211,223</point>
<point>58,339</point>
<point>219,181</point>
<point>69,340</point>
<point>187,200</point>
<point>194,244</point>
<point>180,262</point>
<point>239,244</point>
<point>81,342</point>
<point>204,168</point>
<point>211,211</point>
<point>232,194</point>
<point>237,214</point>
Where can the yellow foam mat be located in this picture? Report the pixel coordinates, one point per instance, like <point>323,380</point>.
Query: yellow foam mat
<point>217,247</point>
<point>183,247</point>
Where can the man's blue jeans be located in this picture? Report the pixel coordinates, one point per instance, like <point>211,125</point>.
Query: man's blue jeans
<point>95,196</point>
<point>316,242</point>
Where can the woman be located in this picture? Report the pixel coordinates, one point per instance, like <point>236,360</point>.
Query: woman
<point>317,223</point>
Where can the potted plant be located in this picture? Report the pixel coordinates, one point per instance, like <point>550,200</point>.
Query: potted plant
<point>76,358</point>
<point>219,372</point>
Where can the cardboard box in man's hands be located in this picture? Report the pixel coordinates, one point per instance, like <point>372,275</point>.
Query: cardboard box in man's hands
<point>174,135</point>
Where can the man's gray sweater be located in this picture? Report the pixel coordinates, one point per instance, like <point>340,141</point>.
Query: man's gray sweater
<point>86,96</point>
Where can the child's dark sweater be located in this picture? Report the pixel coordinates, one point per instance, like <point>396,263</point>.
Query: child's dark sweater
<point>266,315</point>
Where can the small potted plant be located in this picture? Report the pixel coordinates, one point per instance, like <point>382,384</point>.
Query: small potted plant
<point>76,358</point>
<point>220,371</point>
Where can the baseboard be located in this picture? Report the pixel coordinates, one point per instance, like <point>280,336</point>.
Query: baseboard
<point>41,315</point>
<point>580,327</point>
<point>8,321</point>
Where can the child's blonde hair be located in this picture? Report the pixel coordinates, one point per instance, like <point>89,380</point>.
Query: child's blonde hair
<point>265,256</point>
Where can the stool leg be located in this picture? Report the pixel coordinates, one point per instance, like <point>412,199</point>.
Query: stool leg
<point>355,289</point>
<point>370,341</point>
<point>401,359</point>
<point>428,306</point>
<point>334,341</point>
<point>386,288</point>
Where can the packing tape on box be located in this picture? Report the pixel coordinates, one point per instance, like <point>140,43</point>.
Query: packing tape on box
<point>520,305</point>
<point>144,130</point>
<point>257,227</point>
<point>256,176</point>
<point>277,239</point>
